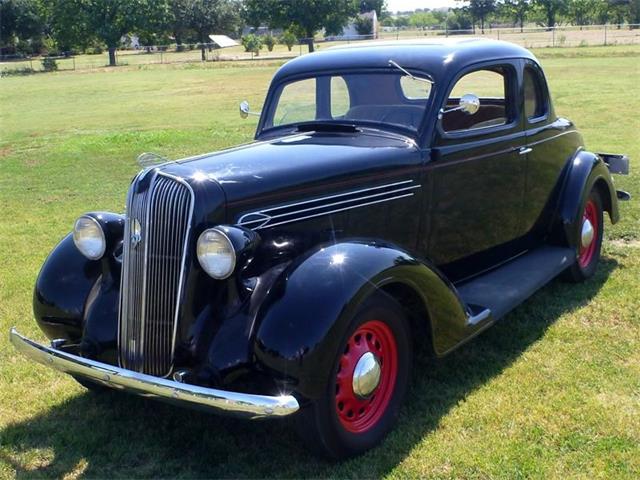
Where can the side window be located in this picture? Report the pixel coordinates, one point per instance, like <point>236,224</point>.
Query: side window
<point>340,100</point>
<point>491,86</point>
<point>297,103</point>
<point>414,89</point>
<point>535,101</point>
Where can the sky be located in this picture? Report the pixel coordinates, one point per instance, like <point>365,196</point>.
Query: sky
<point>404,5</point>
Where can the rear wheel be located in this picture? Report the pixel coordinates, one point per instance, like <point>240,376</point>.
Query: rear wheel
<point>367,383</point>
<point>589,240</point>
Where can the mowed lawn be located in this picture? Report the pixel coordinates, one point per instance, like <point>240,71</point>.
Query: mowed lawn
<point>553,391</point>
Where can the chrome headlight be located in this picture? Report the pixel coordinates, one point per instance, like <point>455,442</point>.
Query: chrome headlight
<point>216,254</point>
<point>89,237</point>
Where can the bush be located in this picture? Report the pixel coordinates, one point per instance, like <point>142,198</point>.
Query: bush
<point>49,64</point>
<point>270,42</point>
<point>289,39</point>
<point>252,43</point>
<point>364,25</point>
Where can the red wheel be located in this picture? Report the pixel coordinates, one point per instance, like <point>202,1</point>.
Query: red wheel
<point>366,385</point>
<point>366,376</point>
<point>589,235</point>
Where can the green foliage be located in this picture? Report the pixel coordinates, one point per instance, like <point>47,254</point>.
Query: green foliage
<point>422,20</point>
<point>551,10</point>
<point>269,41</point>
<point>307,16</point>
<point>252,43</point>
<point>289,39</point>
<point>517,10</point>
<point>20,20</point>
<point>380,6</point>
<point>364,25</point>
<point>49,64</point>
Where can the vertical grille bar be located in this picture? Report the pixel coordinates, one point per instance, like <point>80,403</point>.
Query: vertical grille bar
<point>152,275</point>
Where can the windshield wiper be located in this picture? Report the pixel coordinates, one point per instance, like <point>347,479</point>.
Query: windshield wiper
<point>327,127</point>
<point>409,74</point>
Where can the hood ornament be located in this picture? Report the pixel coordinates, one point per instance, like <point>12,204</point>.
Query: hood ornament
<point>149,159</point>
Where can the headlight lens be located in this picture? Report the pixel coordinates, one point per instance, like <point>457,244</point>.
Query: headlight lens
<point>89,238</point>
<point>216,254</point>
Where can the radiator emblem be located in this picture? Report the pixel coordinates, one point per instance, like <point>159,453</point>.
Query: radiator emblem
<point>136,233</point>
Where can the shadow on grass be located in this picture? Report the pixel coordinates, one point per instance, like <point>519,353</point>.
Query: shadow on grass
<point>116,435</point>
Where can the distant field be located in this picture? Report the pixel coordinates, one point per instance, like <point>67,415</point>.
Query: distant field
<point>561,37</point>
<point>553,391</point>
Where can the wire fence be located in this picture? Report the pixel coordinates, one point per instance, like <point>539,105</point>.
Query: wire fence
<point>565,36</point>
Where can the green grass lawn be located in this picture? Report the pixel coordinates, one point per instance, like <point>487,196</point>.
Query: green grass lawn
<point>552,391</point>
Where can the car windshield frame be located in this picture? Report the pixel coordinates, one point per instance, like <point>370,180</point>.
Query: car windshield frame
<point>275,92</point>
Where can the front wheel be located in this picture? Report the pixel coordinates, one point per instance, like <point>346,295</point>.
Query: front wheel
<point>590,236</point>
<point>367,383</point>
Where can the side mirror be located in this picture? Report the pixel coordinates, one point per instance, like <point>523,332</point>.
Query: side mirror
<point>469,104</point>
<point>244,109</point>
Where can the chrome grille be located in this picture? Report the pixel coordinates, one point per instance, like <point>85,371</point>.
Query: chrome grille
<point>152,274</point>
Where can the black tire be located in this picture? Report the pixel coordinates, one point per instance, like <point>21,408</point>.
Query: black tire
<point>587,259</point>
<point>332,433</point>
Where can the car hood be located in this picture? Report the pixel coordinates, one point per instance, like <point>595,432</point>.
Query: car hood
<point>298,166</point>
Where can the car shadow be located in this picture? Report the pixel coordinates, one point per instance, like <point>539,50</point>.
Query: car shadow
<point>116,435</point>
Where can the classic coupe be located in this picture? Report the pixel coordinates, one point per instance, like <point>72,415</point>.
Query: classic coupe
<point>397,195</point>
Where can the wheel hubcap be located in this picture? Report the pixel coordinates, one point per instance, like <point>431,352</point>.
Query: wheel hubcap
<point>366,375</point>
<point>588,234</point>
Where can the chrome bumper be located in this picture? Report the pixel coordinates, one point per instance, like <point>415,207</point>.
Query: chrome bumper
<point>229,403</point>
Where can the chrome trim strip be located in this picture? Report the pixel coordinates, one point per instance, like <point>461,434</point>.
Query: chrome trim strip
<point>476,319</point>
<point>264,218</point>
<point>337,210</point>
<point>231,403</point>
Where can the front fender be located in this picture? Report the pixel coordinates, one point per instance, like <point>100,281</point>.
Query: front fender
<point>585,171</point>
<point>76,299</point>
<point>306,315</point>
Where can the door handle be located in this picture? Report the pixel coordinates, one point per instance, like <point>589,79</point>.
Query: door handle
<point>525,150</point>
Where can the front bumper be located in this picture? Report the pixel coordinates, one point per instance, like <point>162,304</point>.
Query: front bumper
<point>229,403</point>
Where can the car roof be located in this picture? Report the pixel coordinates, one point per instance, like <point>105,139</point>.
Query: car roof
<point>438,57</point>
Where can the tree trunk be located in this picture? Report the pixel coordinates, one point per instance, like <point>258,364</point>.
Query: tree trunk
<point>202,52</point>
<point>112,56</point>
<point>309,41</point>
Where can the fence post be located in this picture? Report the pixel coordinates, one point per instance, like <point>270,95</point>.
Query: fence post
<point>74,62</point>
<point>553,36</point>
<point>161,61</point>
<point>605,34</point>
<point>30,63</point>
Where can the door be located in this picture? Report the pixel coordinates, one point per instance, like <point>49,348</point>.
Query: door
<point>478,169</point>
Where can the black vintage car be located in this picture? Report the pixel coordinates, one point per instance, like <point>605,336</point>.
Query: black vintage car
<point>397,195</point>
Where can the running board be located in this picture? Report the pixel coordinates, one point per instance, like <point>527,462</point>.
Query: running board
<point>492,295</point>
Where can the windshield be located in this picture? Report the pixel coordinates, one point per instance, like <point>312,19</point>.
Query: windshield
<point>383,99</point>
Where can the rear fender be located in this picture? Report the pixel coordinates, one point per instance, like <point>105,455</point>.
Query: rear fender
<point>586,170</point>
<point>303,320</point>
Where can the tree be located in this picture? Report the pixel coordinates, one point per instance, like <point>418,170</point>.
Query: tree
<point>289,39</point>
<point>380,6</point>
<point>583,12</point>
<point>516,9</point>
<point>481,9</point>
<point>422,20</point>
<point>551,9</point>
<point>20,20</point>
<point>180,19</point>
<point>212,16</point>
<point>80,21</point>
<point>364,25</point>
<point>252,43</point>
<point>305,16</point>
